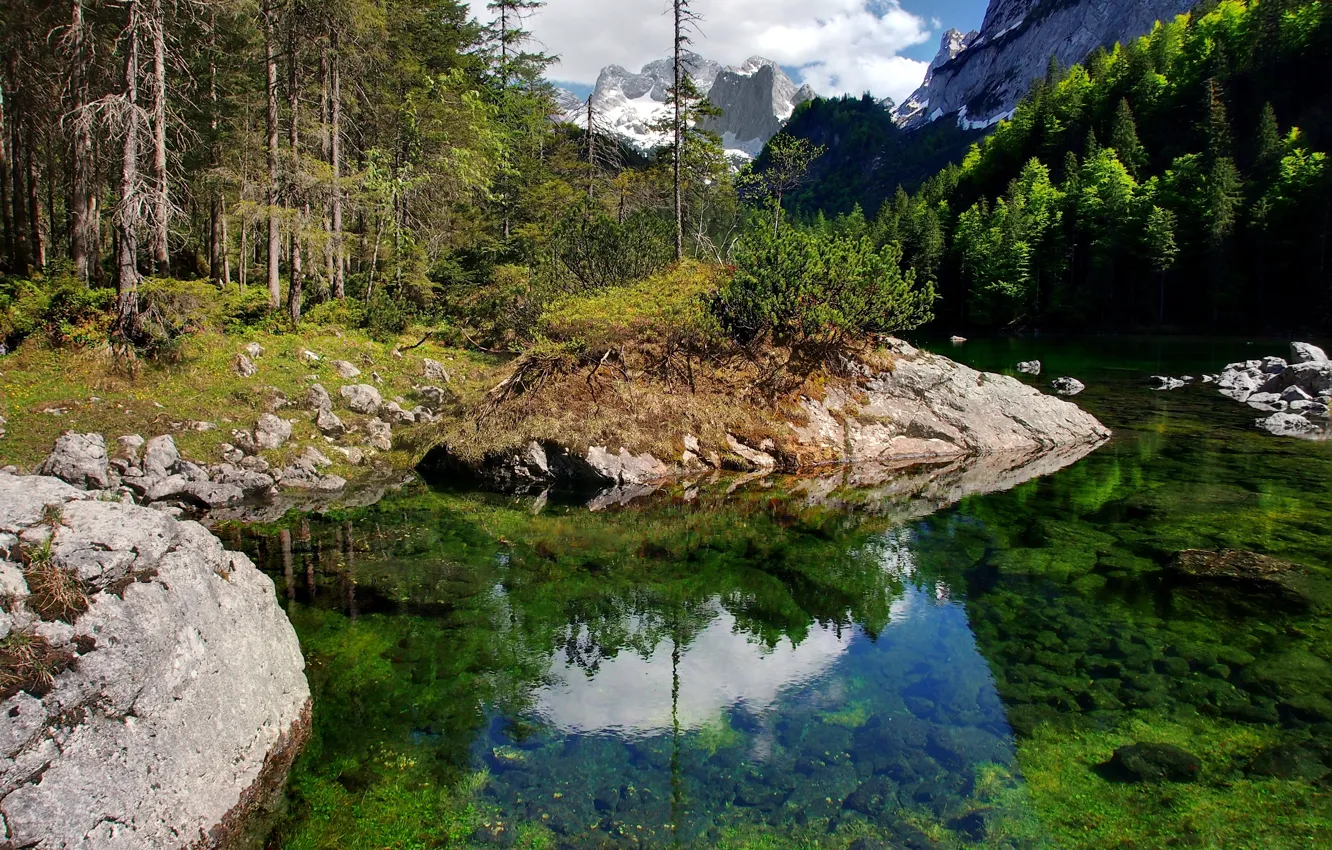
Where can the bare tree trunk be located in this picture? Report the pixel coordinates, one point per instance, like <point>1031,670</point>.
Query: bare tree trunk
<point>127,271</point>
<point>295,289</point>
<point>161,197</point>
<point>678,127</point>
<point>335,142</point>
<point>34,195</point>
<point>591,152</point>
<point>5,188</point>
<point>217,234</point>
<point>20,254</point>
<point>81,151</point>
<point>244,256</point>
<point>274,226</point>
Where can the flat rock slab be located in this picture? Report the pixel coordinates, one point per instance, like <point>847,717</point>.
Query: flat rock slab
<point>187,701</point>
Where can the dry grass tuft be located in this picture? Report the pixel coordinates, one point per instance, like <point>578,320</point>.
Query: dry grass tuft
<point>55,593</point>
<point>29,663</point>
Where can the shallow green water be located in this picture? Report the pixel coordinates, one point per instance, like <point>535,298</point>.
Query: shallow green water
<point>797,665</point>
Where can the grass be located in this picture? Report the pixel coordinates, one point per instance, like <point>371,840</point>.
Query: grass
<point>46,390</point>
<point>55,593</point>
<point>29,663</point>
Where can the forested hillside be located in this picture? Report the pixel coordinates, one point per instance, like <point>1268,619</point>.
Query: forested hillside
<point>1176,181</point>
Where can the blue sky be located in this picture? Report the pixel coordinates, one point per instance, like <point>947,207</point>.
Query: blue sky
<point>963,15</point>
<point>835,46</point>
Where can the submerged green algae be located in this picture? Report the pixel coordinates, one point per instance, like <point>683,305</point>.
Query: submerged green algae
<point>966,674</point>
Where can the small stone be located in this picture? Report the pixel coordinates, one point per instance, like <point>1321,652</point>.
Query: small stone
<point>1030,367</point>
<point>231,454</point>
<point>379,434</point>
<point>353,455</point>
<point>309,356</point>
<point>244,441</point>
<point>1161,382</point>
<point>435,371</point>
<point>244,366</point>
<point>271,432</point>
<point>317,398</point>
<point>345,369</point>
<point>434,397</point>
<point>329,424</point>
<point>254,350</point>
<point>315,458</point>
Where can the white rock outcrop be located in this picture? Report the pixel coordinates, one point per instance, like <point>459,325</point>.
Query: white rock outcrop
<point>183,699</point>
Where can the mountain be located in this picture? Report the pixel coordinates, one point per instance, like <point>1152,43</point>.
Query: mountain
<point>979,77</point>
<point>756,98</point>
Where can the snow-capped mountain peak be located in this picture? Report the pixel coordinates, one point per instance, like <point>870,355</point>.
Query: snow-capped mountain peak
<point>755,97</point>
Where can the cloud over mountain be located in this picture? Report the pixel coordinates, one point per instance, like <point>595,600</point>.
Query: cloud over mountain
<point>837,45</point>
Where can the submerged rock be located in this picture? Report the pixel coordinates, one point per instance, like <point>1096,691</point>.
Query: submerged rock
<point>1155,763</point>
<point>1232,564</point>
<point>183,703</point>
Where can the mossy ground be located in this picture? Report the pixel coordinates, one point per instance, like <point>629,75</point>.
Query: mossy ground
<point>45,390</point>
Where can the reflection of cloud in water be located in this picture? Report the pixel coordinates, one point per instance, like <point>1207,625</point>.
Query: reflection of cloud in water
<point>721,668</point>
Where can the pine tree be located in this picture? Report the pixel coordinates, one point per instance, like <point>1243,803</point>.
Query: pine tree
<point>1124,139</point>
<point>1267,146</point>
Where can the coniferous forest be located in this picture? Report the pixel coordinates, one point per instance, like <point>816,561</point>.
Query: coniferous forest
<point>383,164</point>
<point>1177,181</point>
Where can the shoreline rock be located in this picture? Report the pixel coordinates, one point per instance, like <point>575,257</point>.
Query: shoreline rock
<point>1297,393</point>
<point>924,407</point>
<point>180,700</point>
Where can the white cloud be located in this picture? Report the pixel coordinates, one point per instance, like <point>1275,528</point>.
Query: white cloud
<point>838,45</point>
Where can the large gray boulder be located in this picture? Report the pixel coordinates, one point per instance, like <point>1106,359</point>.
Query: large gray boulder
<point>1287,425</point>
<point>79,459</point>
<point>1303,352</point>
<point>181,698</point>
<point>929,406</point>
<point>361,398</point>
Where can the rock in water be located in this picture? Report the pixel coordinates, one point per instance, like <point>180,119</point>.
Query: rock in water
<point>1030,367</point>
<point>1161,382</point>
<point>182,715</point>
<point>1303,352</point>
<point>79,459</point>
<point>1067,386</point>
<point>1231,564</point>
<point>1155,763</point>
<point>1287,425</point>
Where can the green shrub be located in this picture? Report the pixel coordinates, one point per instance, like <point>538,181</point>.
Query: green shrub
<point>59,308</point>
<point>818,291</point>
<point>595,251</point>
<point>346,313</point>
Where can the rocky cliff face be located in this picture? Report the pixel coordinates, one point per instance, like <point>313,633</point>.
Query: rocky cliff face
<point>755,99</point>
<point>980,77</point>
<point>153,691</point>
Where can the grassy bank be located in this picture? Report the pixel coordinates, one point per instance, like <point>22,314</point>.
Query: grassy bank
<point>46,389</point>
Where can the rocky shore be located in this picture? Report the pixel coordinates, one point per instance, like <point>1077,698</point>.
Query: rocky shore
<point>153,690</point>
<point>925,407</point>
